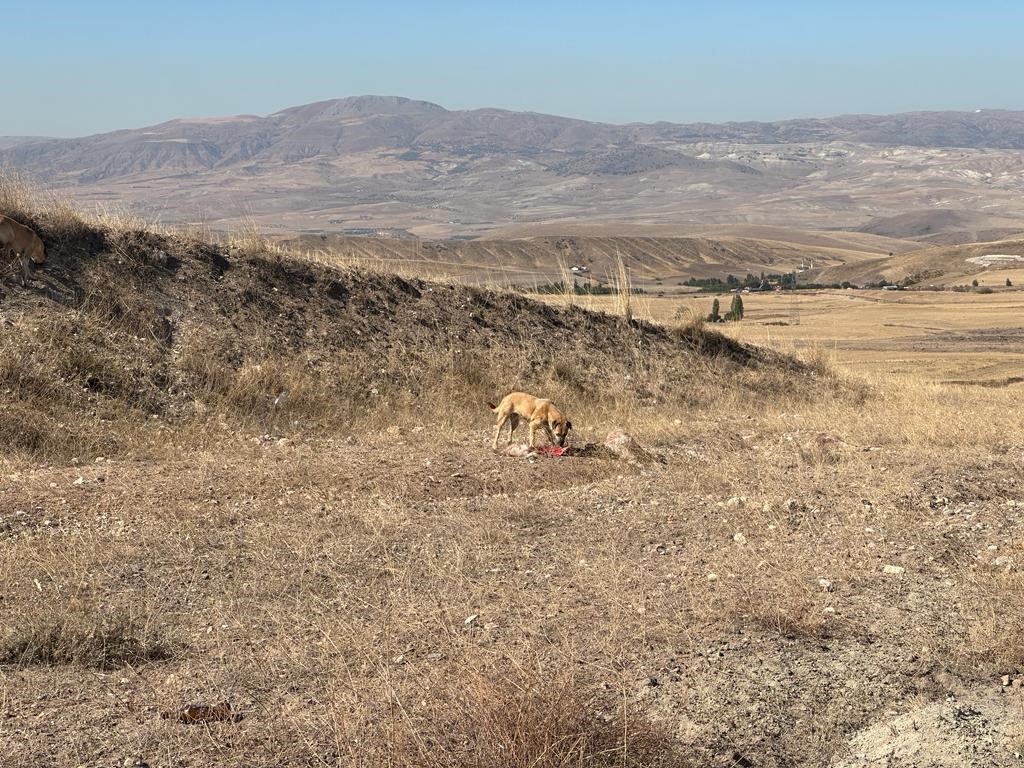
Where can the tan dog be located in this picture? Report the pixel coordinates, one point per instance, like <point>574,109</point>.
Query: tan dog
<point>21,243</point>
<point>540,413</point>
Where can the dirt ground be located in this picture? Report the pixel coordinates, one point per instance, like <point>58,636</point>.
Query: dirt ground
<point>761,596</point>
<point>249,516</point>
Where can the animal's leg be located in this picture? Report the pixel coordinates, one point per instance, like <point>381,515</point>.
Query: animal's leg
<point>513,425</point>
<point>26,274</point>
<point>533,434</point>
<point>551,435</point>
<point>502,418</point>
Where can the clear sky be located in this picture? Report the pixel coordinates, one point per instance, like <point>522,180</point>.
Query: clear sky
<point>85,67</point>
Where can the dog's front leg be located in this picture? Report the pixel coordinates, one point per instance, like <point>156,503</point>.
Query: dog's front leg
<point>26,273</point>
<point>497,430</point>
<point>551,435</point>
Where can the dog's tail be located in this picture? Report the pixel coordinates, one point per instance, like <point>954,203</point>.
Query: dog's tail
<point>492,406</point>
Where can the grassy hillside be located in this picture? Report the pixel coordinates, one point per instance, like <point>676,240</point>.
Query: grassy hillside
<point>127,329</point>
<point>941,265</point>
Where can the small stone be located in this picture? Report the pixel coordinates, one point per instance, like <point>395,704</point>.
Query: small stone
<point>733,502</point>
<point>712,577</point>
<point>893,569</point>
<point>1005,680</point>
<point>78,480</point>
<point>829,609</point>
<point>740,539</point>
<point>825,584</point>
<point>470,619</point>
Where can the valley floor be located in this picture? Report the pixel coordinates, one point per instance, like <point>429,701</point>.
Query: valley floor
<point>940,336</point>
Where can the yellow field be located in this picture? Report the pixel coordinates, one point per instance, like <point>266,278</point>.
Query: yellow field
<point>942,336</point>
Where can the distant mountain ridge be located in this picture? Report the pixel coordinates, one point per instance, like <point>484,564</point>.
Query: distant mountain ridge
<point>359,123</point>
<point>369,161</point>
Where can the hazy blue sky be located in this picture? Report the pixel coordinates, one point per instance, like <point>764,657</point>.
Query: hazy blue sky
<point>83,67</point>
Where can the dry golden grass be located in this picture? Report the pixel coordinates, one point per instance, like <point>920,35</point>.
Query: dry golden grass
<point>372,586</point>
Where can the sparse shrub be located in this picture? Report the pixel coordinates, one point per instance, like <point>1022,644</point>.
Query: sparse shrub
<point>691,320</point>
<point>531,721</point>
<point>780,597</point>
<point>974,283</point>
<point>993,632</point>
<point>83,639</point>
<point>1009,283</point>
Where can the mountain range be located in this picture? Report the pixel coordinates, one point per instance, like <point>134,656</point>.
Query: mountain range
<point>371,164</point>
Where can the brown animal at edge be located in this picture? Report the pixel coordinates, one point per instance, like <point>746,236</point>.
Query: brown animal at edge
<point>538,412</point>
<point>21,243</point>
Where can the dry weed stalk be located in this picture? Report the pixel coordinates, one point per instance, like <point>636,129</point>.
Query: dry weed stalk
<point>623,286</point>
<point>568,281</point>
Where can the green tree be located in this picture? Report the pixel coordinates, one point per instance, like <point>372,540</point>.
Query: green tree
<point>735,309</point>
<point>714,317</point>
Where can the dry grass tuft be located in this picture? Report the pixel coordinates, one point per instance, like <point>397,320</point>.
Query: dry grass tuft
<point>994,626</point>
<point>249,238</point>
<point>783,602</point>
<point>22,199</point>
<point>690,319</point>
<point>532,721</point>
<point>83,639</point>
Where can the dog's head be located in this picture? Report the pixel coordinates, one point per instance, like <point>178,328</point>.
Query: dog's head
<point>561,426</point>
<point>37,253</point>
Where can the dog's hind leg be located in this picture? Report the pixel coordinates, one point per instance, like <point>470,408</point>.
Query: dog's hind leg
<point>513,425</point>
